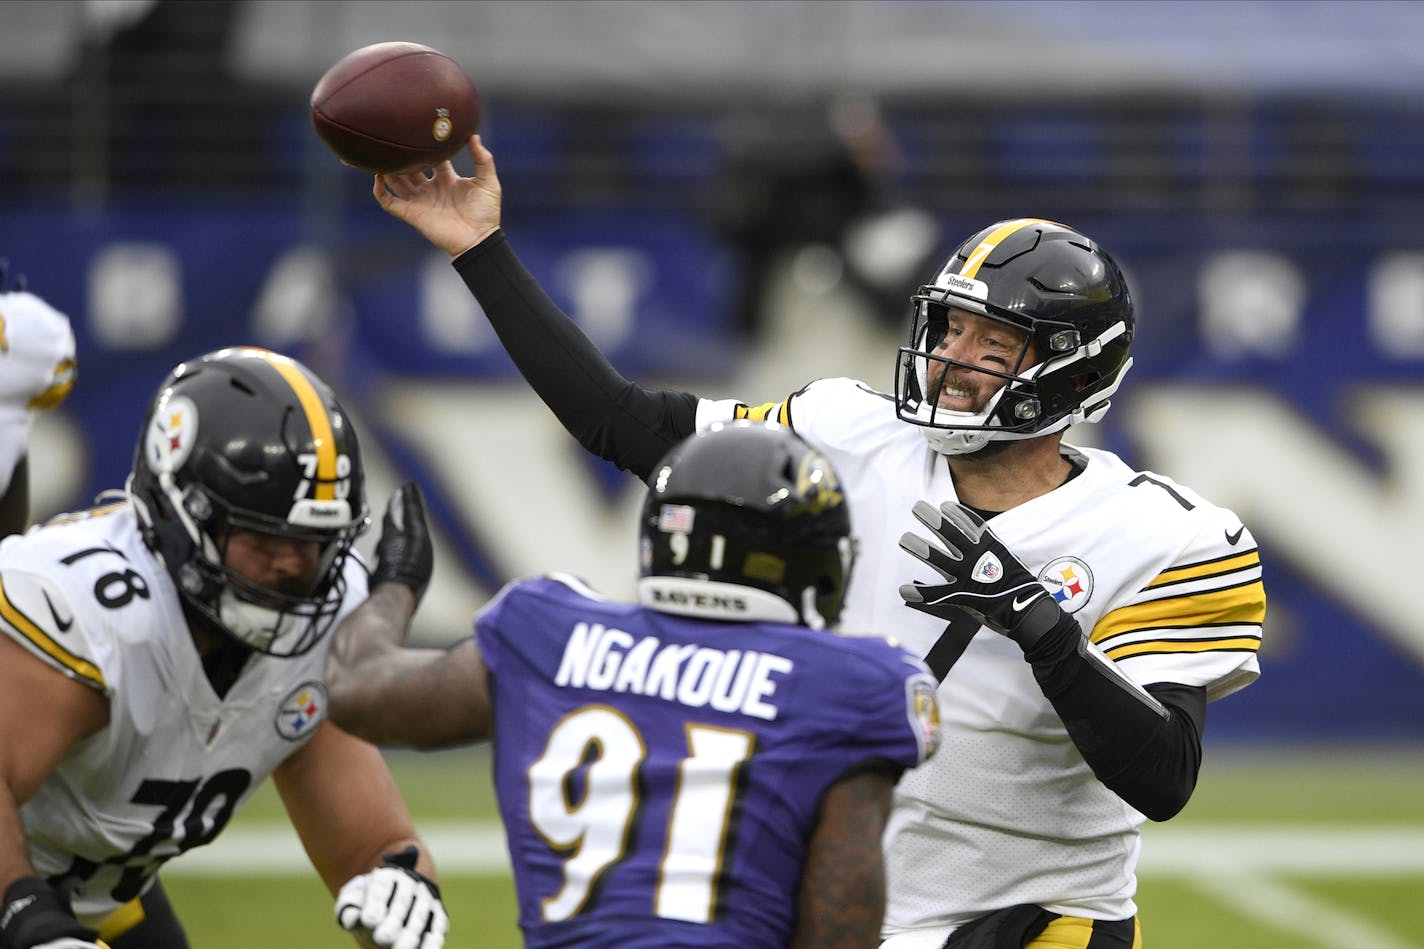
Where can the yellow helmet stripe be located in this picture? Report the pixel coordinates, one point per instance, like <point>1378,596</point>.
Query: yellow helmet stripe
<point>996,237</point>
<point>79,668</point>
<point>317,419</point>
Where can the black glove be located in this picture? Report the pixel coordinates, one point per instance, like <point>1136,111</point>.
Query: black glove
<point>36,915</point>
<point>982,577</point>
<point>404,553</point>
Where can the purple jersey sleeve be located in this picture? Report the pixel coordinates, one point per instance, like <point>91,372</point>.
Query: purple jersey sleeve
<point>659,777</point>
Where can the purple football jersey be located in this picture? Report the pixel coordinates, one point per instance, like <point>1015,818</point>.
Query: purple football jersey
<point>659,776</point>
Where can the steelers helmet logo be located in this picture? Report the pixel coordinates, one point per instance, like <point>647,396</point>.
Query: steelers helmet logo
<point>299,713</point>
<point>1070,581</point>
<point>172,431</point>
<point>443,126</point>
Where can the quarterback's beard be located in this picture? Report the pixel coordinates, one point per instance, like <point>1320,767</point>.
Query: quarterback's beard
<point>967,380</point>
<point>989,451</point>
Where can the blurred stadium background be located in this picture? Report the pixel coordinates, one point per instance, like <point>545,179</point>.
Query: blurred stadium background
<point>737,198</point>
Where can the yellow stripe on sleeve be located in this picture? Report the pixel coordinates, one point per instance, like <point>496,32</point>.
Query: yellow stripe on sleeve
<point>1210,568</point>
<point>80,668</point>
<point>63,382</point>
<point>1231,644</point>
<point>767,411</point>
<point>1234,605</point>
<point>317,419</point>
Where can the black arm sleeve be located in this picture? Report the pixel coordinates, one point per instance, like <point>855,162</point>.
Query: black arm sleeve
<point>614,418</point>
<point>1145,745</point>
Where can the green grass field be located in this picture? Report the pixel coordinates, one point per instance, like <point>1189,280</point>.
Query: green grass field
<point>1321,850</point>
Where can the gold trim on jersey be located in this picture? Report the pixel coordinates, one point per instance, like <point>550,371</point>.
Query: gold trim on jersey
<point>1159,646</point>
<point>318,420</point>
<point>1207,568</point>
<point>80,668</point>
<point>1240,605</point>
<point>996,237</point>
<point>123,919</point>
<point>64,373</point>
<point>762,413</point>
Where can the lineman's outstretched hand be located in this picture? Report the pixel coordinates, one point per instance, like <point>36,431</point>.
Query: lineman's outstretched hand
<point>36,915</point>
<point>453,213</point>
<point>404,553</point>
<point>394,906</point>
<point>982,576</point>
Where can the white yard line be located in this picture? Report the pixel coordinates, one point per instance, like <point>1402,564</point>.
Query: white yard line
<point>1237,865</point>
<point>1361,850</point>
<point>457,846</point>
<point>1263,899</point>
<point>1195,850</point>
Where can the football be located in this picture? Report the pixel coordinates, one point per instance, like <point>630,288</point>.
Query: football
<point>395,107</point>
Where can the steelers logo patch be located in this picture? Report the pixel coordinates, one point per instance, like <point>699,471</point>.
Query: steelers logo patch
<point>171,433</point>
<point>300,711</point>
<point>1070,581</point>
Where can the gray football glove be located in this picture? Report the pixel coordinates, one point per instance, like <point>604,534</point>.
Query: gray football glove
<point>982,577</point>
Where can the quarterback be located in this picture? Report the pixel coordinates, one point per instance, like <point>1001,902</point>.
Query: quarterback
<point>162,655</point>
<point>37,370</point>
<point>1080,614</point>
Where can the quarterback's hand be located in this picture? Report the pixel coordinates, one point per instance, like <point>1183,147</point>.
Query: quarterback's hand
<point>36,916</point>
<point>394,906</point>
<point>982,577</point>
<point>452,212</point>
<point>404,553</point>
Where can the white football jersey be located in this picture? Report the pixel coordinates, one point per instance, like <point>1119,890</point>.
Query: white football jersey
<point>1167,584</point>
<point>37,369</point>
<point>85,594</point>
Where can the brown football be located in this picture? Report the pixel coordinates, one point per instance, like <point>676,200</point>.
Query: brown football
<point>395,107</point>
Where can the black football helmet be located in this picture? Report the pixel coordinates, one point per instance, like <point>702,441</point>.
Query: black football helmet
<point>251,439</point>
<point>746,522</point>
<point>1052,283</point>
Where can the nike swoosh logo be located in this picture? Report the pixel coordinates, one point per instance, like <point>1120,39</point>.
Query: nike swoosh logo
<point>63,624</point>
<point>1020,604</point>
<point>1232,539</point>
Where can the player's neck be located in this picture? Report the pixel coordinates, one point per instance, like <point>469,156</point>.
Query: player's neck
<point>222,657</point>
<point>1010,473</point>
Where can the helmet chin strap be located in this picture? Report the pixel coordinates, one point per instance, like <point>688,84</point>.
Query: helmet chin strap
<point>810,616</point>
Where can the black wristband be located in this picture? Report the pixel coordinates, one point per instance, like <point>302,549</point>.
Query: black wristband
<point>406,860</point>
<point>35,913</point>
<point>1055,643</point>
<point>1042,618</point>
